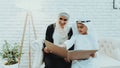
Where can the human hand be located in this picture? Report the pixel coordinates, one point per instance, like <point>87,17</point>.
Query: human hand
<point>46,50</point>
<point>93,55</point>
<point>67,59</point>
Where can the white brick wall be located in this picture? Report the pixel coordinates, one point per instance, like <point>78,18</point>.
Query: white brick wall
<point>105,19</point>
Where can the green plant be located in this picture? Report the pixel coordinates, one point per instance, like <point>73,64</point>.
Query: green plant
<point>10,52</point>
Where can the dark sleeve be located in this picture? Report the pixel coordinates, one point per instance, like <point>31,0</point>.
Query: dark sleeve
<point>49,33</point>
<point>69,36</point>
<point>48,36</point>
<point>70,33</point>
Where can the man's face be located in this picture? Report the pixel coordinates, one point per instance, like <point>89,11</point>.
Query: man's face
<point>82,28</point>
<point>62,21</point>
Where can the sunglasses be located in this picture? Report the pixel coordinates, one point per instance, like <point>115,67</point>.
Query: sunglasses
<point>63,19</point>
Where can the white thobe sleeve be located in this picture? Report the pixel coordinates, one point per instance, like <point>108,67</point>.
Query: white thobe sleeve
<point>96,43</point>
<point>69,43</point>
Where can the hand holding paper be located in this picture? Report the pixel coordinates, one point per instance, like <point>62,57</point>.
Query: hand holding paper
<point>69,55</point>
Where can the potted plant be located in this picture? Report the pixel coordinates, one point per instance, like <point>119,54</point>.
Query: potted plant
<point>10,53</point>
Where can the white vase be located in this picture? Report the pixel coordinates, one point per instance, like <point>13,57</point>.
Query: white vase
<point>11,66</point>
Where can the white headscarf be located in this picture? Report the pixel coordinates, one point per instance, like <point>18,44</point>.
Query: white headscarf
<point>85,22</point>
<point>91,36</point>
<point>60,35</point>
